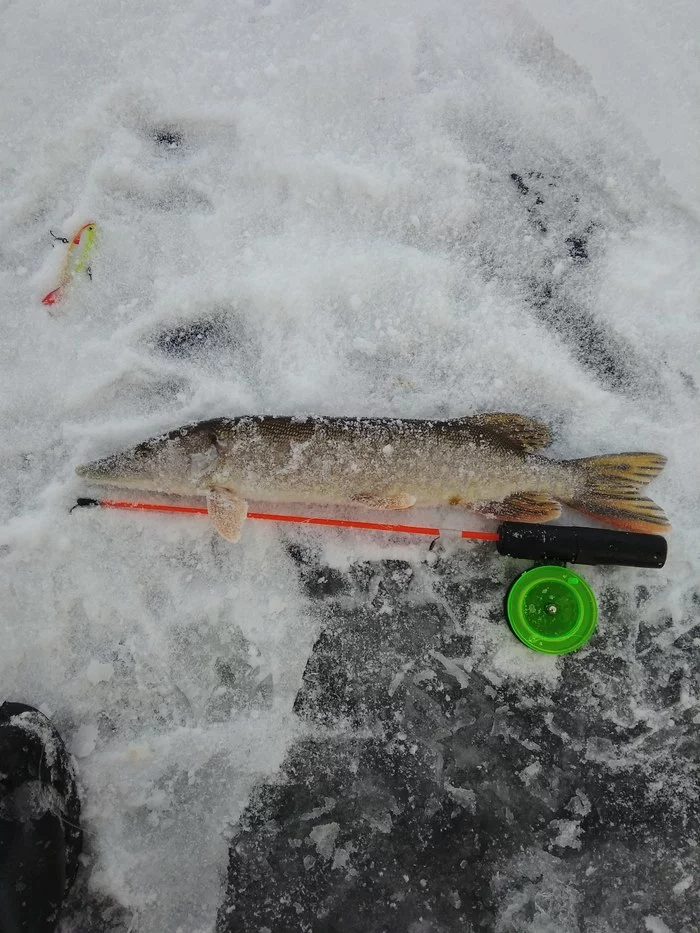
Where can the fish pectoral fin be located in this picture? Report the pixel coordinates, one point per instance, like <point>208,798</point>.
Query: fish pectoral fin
<point>523,507</point>
<point>227,512</point>
<point>518,431</point>
<point>401,500</point>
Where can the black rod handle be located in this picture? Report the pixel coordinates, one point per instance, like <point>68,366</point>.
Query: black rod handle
<point>573,545</point>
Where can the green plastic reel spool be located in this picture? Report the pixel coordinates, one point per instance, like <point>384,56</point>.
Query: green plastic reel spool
<point>552,610</point>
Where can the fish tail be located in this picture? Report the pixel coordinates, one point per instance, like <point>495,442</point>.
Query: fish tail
<point>610,491</point>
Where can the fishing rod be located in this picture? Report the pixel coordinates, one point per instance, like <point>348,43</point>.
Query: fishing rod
<point>550,608</point>
<point>274,517</point>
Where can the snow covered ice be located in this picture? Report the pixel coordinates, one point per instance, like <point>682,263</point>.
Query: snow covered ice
<point>409,209</point>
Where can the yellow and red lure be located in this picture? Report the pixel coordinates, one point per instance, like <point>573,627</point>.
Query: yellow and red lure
<point>77,260</point>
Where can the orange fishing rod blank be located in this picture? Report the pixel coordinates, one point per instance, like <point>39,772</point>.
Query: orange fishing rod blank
<point>298,519</point>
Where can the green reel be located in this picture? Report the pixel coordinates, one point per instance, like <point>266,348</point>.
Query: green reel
<point>551,609</point>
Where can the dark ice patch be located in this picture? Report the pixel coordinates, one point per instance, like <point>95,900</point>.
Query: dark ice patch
<point>168,137</point>
<point>218,336</point>
<point>578,247</point>
<point>355,838</point>
<point>451,796</point>
<point>536,198</point>
<point>87,909</point>
<point>318,581</point>
<point>569,234</point>
<point>185,135</point>
<point>192,338</point>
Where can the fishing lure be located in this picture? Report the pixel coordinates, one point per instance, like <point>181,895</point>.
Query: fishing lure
<point>77,260</point>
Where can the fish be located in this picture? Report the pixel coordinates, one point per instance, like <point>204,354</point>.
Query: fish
<point>488,463</point>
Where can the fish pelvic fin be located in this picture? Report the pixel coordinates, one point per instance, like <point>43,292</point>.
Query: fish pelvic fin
<point>401,500</point>
<point>227,512</point>
<point>523,507</point>
<point>611,491</point>
<point>516,431</point>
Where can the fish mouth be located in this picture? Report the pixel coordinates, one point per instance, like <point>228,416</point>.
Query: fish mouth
<point>125,473</point>
<point>176,463</point>
<point>116,471</point>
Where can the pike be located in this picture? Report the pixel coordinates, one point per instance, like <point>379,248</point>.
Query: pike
<point>488,463</point>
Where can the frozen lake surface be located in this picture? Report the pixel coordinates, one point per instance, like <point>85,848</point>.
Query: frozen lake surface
<point>405,209</point>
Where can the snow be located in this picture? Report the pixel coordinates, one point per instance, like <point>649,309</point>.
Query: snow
<point>656,925</point>
<point>334,209</point>
<point>683,885</point>
<point>323,836</point>
<point>642,56</point>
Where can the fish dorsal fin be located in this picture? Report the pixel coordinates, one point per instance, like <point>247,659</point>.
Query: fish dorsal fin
<point>517,431</point>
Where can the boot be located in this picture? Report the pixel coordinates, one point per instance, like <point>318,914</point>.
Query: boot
<point>40,835</point>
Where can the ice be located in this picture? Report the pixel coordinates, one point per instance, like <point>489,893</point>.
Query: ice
<point>97,673</point>
<point>323,837</point>
<point>85,740</point>
<point>656,925</point>
<point>568,832</point>
<point>407,209</point>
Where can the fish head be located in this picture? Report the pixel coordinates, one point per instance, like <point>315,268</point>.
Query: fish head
<point>178,462</point>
